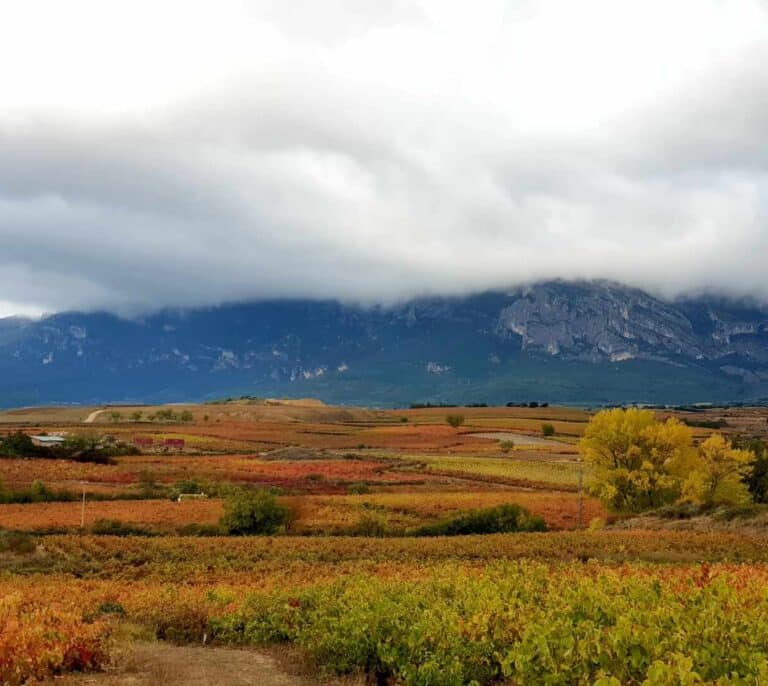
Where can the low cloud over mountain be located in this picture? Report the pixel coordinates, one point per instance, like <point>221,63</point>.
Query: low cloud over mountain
<point>185,154</point>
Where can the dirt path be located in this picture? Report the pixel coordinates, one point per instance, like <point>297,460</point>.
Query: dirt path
<point>91,418</point>
<point>519,439</point>
<point>150,664</point>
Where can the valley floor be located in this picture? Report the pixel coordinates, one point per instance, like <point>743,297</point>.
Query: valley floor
<point>130,586</point>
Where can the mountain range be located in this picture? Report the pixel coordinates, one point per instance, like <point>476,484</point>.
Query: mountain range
<point>590,342</point>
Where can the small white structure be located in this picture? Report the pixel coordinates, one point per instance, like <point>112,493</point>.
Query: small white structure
<point>191,496</point>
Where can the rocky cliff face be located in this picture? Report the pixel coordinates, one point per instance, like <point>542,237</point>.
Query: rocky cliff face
<point>571,341</point>
<point>601,321</point>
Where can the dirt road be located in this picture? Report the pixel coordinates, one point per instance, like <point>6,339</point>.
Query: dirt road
<point>150,664</point>
<point>519,439</point>
<point>91,418</point>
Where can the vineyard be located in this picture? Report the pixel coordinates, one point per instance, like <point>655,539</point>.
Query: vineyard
<point>348,582</point>
<point>312,513</point>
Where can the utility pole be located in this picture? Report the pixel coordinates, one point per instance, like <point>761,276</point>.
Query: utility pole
<point>82,512</point>
<point>581,494</point>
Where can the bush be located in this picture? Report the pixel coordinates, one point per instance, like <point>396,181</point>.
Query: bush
<point>455,420</point>
<point>370,524</point>
<point>18,444</point>
<point>114,527</point>
<point>91,447</point>
<point>686,510</point>
<point>253,512</point>
<point>188,486</point>
<point>17,543</point>
<point>547,430</point>
<point>596,524</point>
<point>705,423</point>
<point>38,492</point>
<point>506,446</point>
<point>359,489</point>
<point>199,530</point>
<point>111,608</point>
<point>493,520</point>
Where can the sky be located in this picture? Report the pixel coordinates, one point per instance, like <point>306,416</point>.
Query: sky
<point>190,153</point>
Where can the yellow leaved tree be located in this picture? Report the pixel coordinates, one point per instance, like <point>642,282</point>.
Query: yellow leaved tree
<point>637,463</point>
<point>718,477</point>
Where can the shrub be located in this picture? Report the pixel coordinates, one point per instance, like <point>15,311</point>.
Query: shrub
<point>547,429</point>
<point>596,524</point>
<point>148,485</point>
<point>90,447</point>
<point>17,543</point>
<point>111,608</point>
<point>506,446</point>
<point>455,420</point>
<point>38,492</point>
<point>705,423</point>
<point>114,527</point>
<point>253,512</point>
<point>18,444</point>
<point>492,520</point>
<point>188,486</point>
<point>359,489</point>
<point>370,524</point>
<point>199,530</point>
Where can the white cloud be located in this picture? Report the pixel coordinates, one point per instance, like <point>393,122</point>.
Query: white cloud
<point>188,153</point>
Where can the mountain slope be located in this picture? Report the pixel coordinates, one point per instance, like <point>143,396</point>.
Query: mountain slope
<point>569,342</point>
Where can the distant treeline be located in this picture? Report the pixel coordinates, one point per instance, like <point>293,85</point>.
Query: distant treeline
<point>705,423</point>
<point>424,406</point>
<point>234,399</point>
<point>79,448</point>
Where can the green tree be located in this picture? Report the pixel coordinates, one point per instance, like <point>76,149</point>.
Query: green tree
<point>756,477</point>
<point>547,430</point>
<point>506,446</point>
<point>186,416</point>
<point>115,416</point>
<point>137,415</point>
<point>455,420</point>
<point>253,512</point>
<point>18,444</point>
<point>87,442</point>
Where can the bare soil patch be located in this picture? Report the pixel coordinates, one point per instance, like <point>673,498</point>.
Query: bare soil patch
<point>150,664</point>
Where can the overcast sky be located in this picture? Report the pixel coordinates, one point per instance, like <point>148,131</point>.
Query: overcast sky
<point>183,153</point>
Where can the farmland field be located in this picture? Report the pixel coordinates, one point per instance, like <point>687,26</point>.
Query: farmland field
<point>94,557</point>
